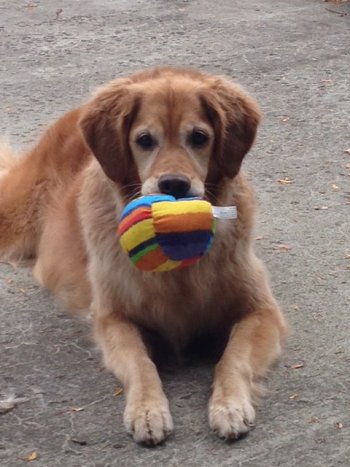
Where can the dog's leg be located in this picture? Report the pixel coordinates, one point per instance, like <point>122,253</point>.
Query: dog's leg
<point>147,414</point>
<point>253,346</point>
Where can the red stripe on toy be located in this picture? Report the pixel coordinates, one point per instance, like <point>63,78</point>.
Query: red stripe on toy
<point>152,260</point>
<point>136,216</point>
<point>188,262</point>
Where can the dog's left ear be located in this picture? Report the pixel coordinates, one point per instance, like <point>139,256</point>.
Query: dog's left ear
<point>235,117</point>
<point>105,124</point>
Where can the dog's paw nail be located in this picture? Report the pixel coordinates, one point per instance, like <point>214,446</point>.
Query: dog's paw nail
<point>149,423</point>
<point>231,418</point>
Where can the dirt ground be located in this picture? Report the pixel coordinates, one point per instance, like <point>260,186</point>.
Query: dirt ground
<point>293,56</point>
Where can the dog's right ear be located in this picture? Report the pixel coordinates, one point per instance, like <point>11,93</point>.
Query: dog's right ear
<point>235,118</point>
<point>105,124</point>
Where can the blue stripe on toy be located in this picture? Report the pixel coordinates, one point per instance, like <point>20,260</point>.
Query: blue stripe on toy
<point>142,245</point>
<point>156,198</point>
<point>145,201</point>
<point>185,245</point>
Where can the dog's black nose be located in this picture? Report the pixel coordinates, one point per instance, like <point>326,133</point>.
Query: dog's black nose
<point>175,185</point>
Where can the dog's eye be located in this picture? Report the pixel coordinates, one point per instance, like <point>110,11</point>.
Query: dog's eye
<point>199,138</point>
<point>145,141</point>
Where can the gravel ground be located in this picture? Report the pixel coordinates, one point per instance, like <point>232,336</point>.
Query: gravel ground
<point>293,56</point>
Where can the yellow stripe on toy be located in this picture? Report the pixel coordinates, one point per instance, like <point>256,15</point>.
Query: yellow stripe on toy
<point>160,233</point>
<point>137,234</point>
<point>192,206</point>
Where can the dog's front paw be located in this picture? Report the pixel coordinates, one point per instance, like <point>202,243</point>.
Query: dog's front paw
<point>149,421</point>
<point>231,417</point>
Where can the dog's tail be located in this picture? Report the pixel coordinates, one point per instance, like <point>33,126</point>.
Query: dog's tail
<point>19,213</point>
<point>8,158</point>
<point>27,183</point>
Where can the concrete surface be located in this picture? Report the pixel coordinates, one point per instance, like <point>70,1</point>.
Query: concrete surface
<point>293,56</point>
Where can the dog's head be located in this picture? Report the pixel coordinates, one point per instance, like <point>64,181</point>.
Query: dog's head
<point>170,131</point>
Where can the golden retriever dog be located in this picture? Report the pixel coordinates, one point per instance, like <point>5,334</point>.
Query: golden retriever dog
<point>174,131</point>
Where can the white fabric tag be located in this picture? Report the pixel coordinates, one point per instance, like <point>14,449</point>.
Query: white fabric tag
<point>225,212</point>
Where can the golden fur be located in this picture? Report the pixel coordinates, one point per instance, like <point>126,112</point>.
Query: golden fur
<point>60,204</point>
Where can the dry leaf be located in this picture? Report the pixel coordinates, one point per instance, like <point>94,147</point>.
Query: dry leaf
<point>78,441</point>
<point>294,397</point>
<point>339,425</point>
<point>30,6</point>
<point>285,181</point>
<point>347,151</point>
<point>321,208</point>
<point>296,366</point>
<point>31,457</point>
<point>9,402</point>
<point>335,187</point>
<point>295,307</point>
<point>260,237</point>
<point>284,247</point>
<point>285,119</point>
<point>76,409</point>
<point>313,420</point>
<point>118,392</point>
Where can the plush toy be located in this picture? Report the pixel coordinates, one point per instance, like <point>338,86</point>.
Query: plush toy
<point>161,233</point>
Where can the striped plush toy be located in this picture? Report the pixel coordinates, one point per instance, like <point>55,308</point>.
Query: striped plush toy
<point>161,233</point>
